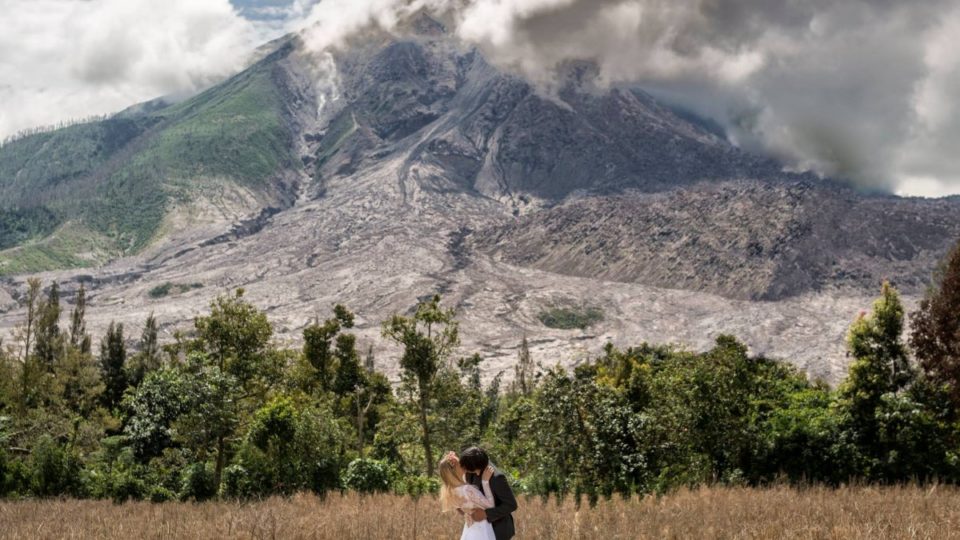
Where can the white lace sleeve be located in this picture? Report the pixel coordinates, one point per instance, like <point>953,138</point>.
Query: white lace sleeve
<point>473,498</point>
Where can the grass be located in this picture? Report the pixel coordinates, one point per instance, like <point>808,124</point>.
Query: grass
<point>725,513</point>
<point>165,289</point>
<point>71,246</point>
<point>567,318</point>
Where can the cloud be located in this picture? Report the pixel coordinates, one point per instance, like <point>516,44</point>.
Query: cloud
<point>65,59</point>
<point>860,89</point>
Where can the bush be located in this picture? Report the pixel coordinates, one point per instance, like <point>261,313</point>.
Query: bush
<point>570,318</point>
<point>176,288</point>
<point>236,483</point>
<point>198,484</point>
<point>367,476</point>
<point>53,471</point>
<point>417,486</point>
<point>159,494</point>
<point>126,485</point>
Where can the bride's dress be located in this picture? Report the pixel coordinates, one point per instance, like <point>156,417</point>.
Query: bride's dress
<point>471,498</point>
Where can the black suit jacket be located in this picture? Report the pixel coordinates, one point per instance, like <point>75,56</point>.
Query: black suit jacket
<point>501,515</point>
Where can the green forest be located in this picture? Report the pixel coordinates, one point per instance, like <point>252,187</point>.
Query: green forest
<point>222,412</point>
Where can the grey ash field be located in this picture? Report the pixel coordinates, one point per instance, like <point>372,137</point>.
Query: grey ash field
<point>422,169</point>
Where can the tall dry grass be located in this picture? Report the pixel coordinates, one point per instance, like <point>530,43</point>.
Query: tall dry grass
<point>847,513</point>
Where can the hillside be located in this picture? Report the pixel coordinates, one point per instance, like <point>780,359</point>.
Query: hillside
<point>404,165</point>
<point>88,193</point>
<point>748,240</point>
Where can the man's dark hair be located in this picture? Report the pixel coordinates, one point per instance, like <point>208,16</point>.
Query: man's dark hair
<point>474,459</point>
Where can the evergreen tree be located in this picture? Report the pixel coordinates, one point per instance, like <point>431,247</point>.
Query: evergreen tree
<point>49,341</point>
<point>523,371</point>
<point>79,338</point>
<point>427,339</point>
<point>935,336</point>
<point>349,375</point>
<point>369,361</point>
<point>317,339</point>
<point>880,364</point>
<point>147,358</point>
<point>113,359</point>
<point>34,306</point>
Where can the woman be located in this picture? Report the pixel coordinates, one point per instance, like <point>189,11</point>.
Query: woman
<point>457,494</point>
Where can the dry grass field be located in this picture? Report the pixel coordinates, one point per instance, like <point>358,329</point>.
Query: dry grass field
<point>848,513</point>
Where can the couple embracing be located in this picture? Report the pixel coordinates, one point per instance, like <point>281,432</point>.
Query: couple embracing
<point>478,491</point>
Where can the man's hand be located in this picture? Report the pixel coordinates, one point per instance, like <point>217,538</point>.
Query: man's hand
<point>479,515</point>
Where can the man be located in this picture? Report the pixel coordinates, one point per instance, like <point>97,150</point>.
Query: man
<point>474,460</point>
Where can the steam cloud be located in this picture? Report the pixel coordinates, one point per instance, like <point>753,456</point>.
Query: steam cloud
<point>861,89</point>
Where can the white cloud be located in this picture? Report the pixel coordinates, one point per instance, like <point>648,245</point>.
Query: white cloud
<point>65,59</point>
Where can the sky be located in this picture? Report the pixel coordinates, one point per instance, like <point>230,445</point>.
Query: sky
<point>866,90</point>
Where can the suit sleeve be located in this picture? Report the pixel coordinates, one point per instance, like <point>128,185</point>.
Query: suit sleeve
<point>508,503</point>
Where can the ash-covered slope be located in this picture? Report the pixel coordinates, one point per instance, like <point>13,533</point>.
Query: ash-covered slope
<point>465,126</point>
<point>749,240</point>
<point>394,168</point>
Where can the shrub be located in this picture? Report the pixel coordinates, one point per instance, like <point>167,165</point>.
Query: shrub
<point>159,494</point>
<point>417,486</point>
<point>563,318</point>
<point>236,483</point>
<point>367,476</point>
<point>54,471</point>
<point>198,484</point>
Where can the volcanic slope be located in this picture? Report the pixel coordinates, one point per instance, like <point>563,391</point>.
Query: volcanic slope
<point>406,166</point>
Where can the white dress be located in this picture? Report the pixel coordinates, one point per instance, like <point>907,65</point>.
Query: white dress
<point>470,499</point>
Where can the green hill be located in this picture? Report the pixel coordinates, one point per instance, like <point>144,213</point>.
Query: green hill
<point>80,195</point>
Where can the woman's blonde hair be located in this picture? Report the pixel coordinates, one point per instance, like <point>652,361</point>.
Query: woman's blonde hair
<point>449,480</point>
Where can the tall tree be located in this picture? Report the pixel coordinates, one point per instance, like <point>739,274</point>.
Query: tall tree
<point>317,341</point>
<point>523,371</point>
<point>427,339</point>
<point>49,340</point>
<point>79,338</point>
<point>113,360</point>
<point>33,308</point>
<point>370,361</point>
<point>935,337</point>
<point>880,364</point>
<point>147,358</point>
<point>349,375</point>
<point>235,338</point>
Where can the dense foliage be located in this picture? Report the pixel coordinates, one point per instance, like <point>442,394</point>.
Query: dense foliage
<point>224,412</point>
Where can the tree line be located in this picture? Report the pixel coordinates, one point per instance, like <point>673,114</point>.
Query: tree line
<point>223,412</point>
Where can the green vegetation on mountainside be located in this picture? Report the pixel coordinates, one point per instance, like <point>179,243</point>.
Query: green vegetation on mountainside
<point>118,176</point>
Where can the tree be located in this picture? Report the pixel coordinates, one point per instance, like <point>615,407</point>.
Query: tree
<point>427,339</point>
<point>49,341</point>
<point>524,369</point>
<point>79,338</point>
<point>33,308</point>
<point>113,359</point>
<point>880,366</point>
<point>147,358</point>
<point>317,339</point>
<point>935,337</point>
<point>236,368</point>
<point>349,375</point>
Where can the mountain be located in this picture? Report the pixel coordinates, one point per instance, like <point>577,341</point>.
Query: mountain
<point>403,166</point>
<point>747,239</point>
